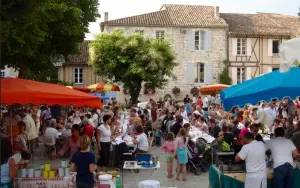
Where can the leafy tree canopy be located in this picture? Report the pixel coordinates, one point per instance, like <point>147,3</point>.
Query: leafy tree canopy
<point>132,60</point>
<point>33,33</point>
<point>224,77</point>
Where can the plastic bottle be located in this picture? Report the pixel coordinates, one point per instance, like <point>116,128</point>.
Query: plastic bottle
<point>118,182</point>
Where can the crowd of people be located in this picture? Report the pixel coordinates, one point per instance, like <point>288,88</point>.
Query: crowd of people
<point>74,130</point>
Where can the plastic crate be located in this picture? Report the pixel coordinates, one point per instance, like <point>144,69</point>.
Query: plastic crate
<point>143,157</point>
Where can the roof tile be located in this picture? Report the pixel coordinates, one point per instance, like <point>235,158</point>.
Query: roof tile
<point>262,24</point>
<point>175,15</point>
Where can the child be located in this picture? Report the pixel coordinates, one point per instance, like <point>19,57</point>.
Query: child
<point>181,152</point>
<point>169,147</point>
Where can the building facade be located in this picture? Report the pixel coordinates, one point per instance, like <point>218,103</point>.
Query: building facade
<point>253,42</point>
<point>9,72</point>
<point>77,70</point>
<point>198,36</point>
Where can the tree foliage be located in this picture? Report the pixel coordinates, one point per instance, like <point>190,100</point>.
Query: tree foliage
<point>224,77</point>
<point>297,64</point>
<point>132,60</point>
<point>33,33</point>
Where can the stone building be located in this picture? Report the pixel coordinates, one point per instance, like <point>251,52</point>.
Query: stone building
<point>253,41</point>
<point>198,35</point>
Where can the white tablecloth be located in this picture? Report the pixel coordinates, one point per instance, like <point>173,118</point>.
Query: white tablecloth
<point>149,184</point>
<point>127,139</point>
<point>196,133</point>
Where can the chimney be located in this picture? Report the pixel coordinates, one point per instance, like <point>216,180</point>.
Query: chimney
<point>217,12</point>
<point>106,16</point>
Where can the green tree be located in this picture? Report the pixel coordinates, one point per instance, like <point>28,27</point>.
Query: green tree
<point>33,33</point>
<point>297,64</point>
<point>224,77</point>
<point>132,60</point>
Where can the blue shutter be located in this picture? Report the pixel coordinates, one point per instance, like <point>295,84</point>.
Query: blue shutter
<point>191,41</point>
<point>207,41</point>
<point>208,74</point>
<point>190,73</point>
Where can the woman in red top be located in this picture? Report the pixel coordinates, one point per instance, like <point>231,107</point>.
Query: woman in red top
<point>88,129</point>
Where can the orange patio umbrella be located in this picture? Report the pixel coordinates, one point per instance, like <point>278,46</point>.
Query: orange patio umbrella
<point>20,91</point>
<point>100,87</point>
<point>215,88</point>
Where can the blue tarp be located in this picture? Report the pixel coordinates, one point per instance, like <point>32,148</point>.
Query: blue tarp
<point>266,87</point>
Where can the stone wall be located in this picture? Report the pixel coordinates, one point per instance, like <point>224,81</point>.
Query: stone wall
<point>179,38</point>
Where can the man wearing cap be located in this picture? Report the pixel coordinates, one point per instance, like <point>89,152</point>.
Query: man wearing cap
<point>253,152</point>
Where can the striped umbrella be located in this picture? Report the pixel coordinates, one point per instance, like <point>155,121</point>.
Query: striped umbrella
<point>103,87</point>
<point>83,89</point>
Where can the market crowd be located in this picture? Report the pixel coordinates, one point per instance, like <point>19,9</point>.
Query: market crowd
<point>75,132</point>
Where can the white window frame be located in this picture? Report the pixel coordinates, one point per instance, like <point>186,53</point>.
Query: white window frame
<point>2,75</point>
<point>200,40</point>
<point>76,79</point>
<point>241,75</point>
<point>199,68</point>
<point>241,46</point>
<point>141,32</point>
<point>160,34</point>
<point>275,54</point>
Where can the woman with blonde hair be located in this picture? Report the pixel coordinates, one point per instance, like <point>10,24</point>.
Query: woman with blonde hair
<point>181,151</point>
<point>83,162</point>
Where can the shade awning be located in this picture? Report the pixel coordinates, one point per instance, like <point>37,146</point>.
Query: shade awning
<point>82,89</point>
<point>274,85</point>
<point>213,88</point>
<point>20,91</point>
<point>103,87</point>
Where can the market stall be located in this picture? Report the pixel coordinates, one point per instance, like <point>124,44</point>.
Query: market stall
<point>23,92</point>
<point>274,85</point>
<point>218,179</point>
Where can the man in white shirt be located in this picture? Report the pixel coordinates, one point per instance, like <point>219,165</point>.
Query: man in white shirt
<point>30,130</point>
<point>283,152</point>
<point>51,131</point>
<point>95,118</point>
<point>270,114</point>
<point>253,152</point>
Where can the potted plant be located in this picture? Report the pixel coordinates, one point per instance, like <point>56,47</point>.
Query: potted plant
<point>176,91</point>
<point>195,91</point>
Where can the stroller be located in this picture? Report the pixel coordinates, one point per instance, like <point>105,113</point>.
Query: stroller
<point>199,156</point>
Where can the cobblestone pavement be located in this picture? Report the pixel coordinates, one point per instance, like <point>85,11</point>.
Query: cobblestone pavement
<point>160,175</point>
<point>131,179</point>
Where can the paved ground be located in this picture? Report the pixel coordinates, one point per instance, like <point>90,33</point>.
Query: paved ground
<point>161,175</point>
<point>130,178</point>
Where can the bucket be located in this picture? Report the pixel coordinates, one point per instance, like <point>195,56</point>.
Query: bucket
<point>154,160</point>
<point>61,172</point>
<point>45,174</point>
<point>52,174</point>
<point>30,172</point>
<point>37,173</point>
<point>23,172</point>
<point>67,172</point>
<point>47,167</point>
<point>63,164</point>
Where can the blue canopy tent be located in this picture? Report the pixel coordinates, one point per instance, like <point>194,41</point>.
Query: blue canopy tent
<point>274,85</point>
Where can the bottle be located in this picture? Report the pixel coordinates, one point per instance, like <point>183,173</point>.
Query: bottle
<point>118,182</point>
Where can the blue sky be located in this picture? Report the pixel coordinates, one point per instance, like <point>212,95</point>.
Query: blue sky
<point>123,8</point>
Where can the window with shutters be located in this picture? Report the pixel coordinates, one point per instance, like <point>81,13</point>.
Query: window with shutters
<point>2,74</point>
<point>275,47</point>
<point>141,32</point>
<point>199,72</point>
<point>160,34</point>
<point>78,75</point>
<point>199,40</point>
<point>241,74</point>
<point>241,46</point>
